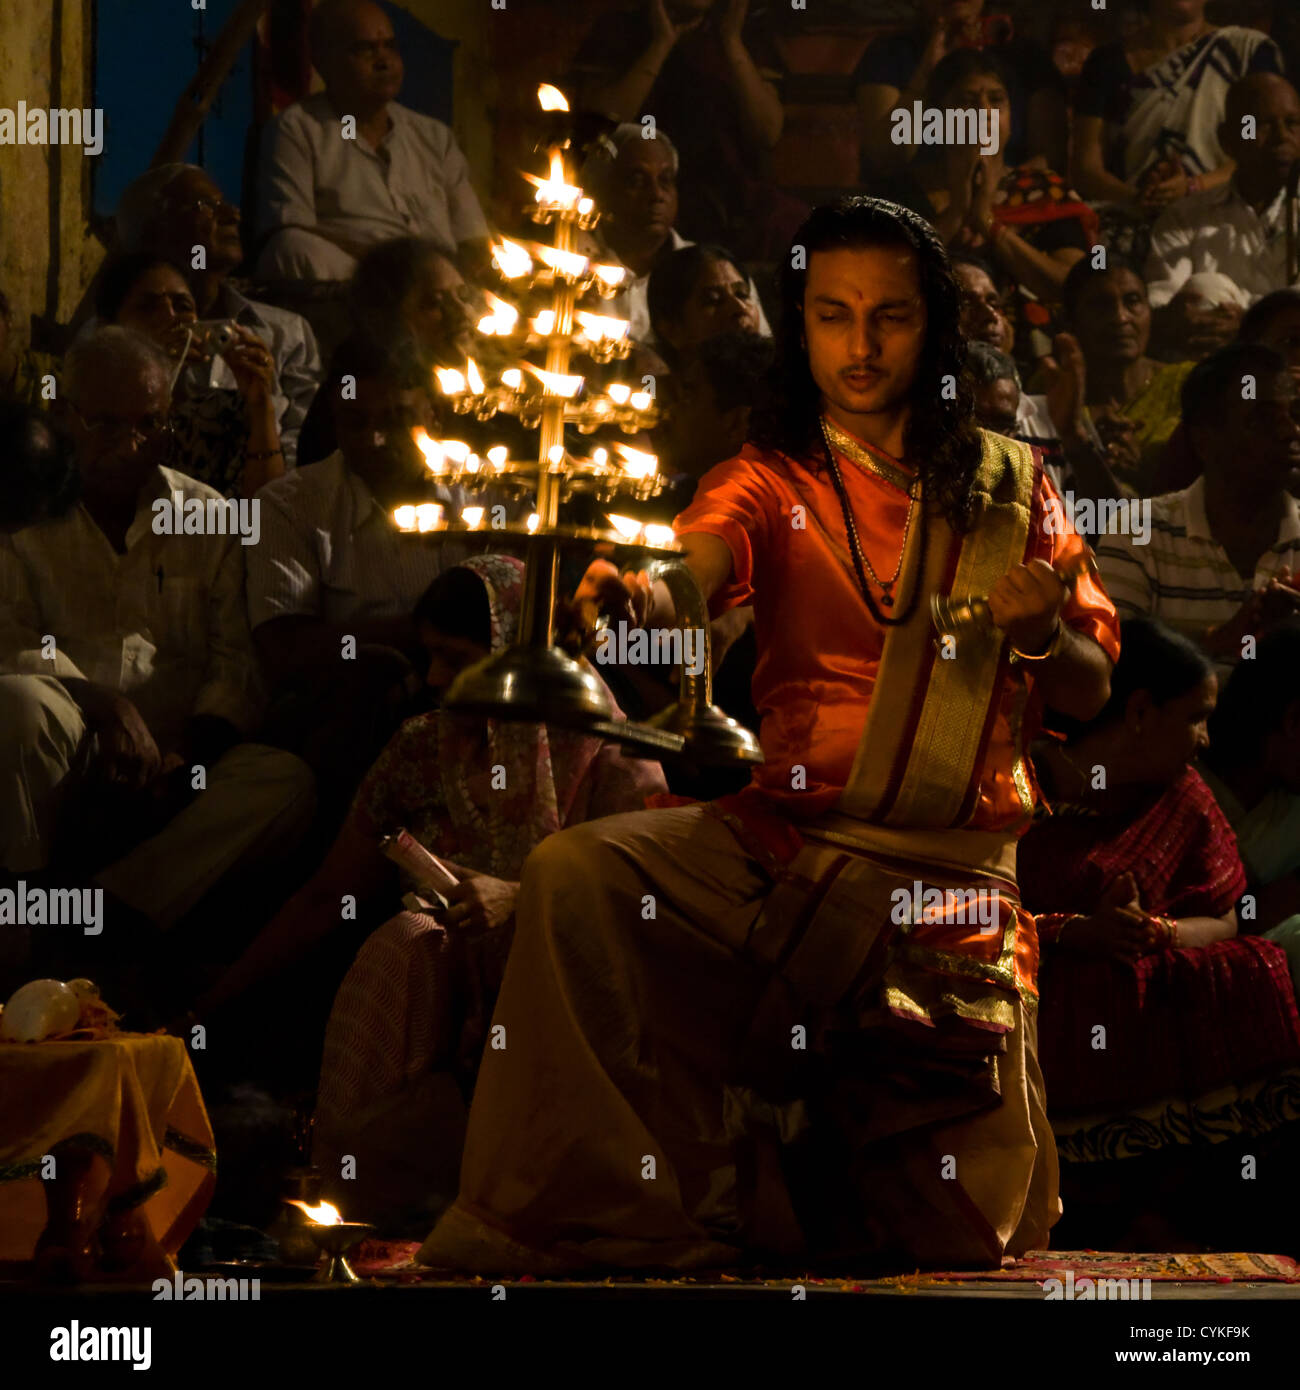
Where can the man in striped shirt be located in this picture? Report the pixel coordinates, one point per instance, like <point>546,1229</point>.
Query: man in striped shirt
<point>1222,552</point>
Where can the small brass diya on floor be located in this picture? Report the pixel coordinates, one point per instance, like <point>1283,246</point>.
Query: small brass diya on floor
<point>335,1239</point>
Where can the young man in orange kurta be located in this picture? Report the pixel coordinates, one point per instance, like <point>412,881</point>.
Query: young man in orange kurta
<point>748,1026</point>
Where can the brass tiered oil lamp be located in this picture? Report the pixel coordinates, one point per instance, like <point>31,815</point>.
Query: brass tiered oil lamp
<point>534,680</point>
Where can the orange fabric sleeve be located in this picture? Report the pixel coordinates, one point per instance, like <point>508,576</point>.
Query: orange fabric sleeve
<point>738,503</point>
<point>1088,610</point>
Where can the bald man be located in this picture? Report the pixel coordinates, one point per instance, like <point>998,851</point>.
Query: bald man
<point>1236,230</point>
<point>350,166</point>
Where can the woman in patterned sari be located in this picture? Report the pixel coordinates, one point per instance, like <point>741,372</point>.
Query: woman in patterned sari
<point>410,1019</point>
<point>1147,114</point>
<point>1170,1044</point>
<point>1148,108</point>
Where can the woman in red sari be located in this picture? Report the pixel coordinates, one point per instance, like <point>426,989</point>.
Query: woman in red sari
<point>1170,1044</point>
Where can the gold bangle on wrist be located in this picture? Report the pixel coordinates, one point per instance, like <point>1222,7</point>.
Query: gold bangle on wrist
<point>1053,646</point>
<point>1069,922</point>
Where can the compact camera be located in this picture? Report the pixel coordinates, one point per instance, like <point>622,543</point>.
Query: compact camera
<point>213,335</point>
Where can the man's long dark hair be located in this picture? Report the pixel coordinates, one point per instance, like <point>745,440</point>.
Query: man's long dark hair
<point>941,439</point>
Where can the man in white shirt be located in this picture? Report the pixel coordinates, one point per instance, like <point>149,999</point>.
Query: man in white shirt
<point>1238,229</point>
<point>634,181</point>
<point>116,626</point>
<point>350,167</point>
<point>176,211</point>
<point>332,584</point>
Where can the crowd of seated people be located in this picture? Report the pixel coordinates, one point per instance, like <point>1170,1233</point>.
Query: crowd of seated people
<point>1123,263</point>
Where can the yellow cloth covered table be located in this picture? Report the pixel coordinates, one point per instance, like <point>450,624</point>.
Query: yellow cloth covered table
<point>125,1123</point>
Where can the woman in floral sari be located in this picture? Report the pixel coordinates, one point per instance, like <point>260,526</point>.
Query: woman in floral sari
<point>1170,1045</point>
<point>410,1019</point>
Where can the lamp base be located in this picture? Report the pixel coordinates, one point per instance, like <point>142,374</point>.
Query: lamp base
<point>712,739</point>
<point>535,684</point>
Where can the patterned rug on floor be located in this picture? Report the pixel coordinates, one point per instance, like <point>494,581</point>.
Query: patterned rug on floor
<point>394,1259</point>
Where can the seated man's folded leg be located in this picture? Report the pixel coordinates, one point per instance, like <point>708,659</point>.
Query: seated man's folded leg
<point>966,1193</point>
<point>41,729</point>
<point>596,1134</point>
<point>257,804</point>
<point>297,253</point>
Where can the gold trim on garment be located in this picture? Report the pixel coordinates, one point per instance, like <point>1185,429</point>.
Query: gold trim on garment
<point>856,453</point>
<point>1019,769</point>
<point>934,997</point>
<point>948,730</point>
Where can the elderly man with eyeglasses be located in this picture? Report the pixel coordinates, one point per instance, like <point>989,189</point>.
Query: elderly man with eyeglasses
<point>130,679</point>
<point>178,212</point>
<point>349,167</point>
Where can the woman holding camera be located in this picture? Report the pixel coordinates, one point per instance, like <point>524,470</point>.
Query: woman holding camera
<point>228,439</point>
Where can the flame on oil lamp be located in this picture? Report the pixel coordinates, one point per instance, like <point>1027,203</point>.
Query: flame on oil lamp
<point>637,462</point>
<point>556,384</point>
<point>610,275</point>
<point>627,526</point>
<point>502,319</point>
<point>431,449</point>
<point>511,259</point>
<point>568,264</point>
<point>323,1214</point>
<point>551,98</point>
<point>601,328</point>
<point>556,191</point>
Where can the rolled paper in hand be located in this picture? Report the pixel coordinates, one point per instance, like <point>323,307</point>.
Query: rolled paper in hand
<point>431,875</point>
<point>952,614</point>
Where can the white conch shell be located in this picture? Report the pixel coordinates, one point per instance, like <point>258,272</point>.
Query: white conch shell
<point>37,1009</point>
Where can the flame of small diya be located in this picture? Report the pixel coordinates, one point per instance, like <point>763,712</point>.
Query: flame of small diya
<point>551,98</point>
<point>637,462</point>
<point>567,263</point>
<point>431,449</point>
<point>627,526</point>
<point>324,1214</point>
<point>556,384</point>
<point>500,320</point>
<point>556,191</point>
<point>511,259</point>
<point>598,326</point>
<point>611,275</point>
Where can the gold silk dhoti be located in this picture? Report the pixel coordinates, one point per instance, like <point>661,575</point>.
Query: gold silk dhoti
<point>639,1112</point>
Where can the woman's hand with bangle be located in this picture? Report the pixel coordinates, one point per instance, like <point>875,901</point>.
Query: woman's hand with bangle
<point>1118,930</point>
